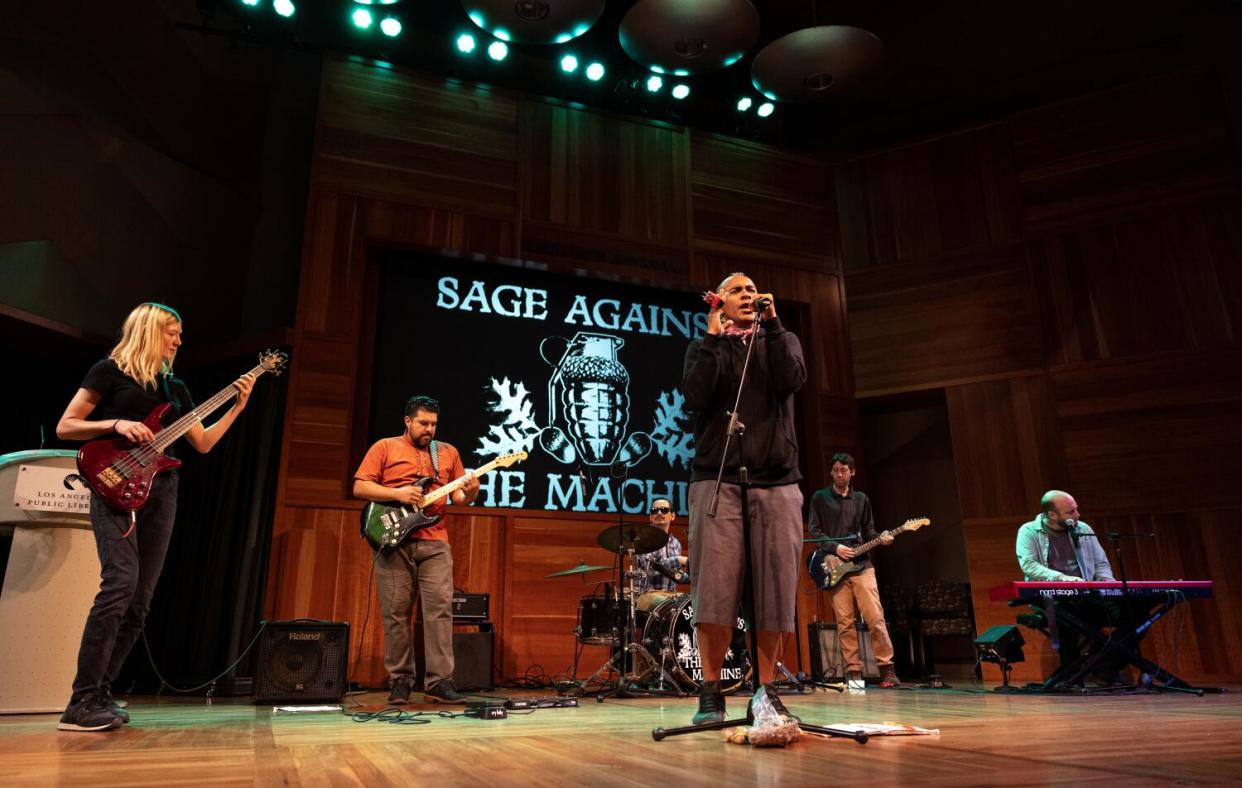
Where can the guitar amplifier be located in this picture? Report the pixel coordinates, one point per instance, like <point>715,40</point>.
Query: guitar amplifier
<point>470,607</point>
<point>302,661</point>
<point>827,661</point>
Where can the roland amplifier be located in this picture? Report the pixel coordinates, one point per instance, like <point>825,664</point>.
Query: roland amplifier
<point>302,661</point>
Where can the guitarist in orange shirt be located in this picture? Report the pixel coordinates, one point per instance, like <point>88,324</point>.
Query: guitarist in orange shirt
<point>423,564</point>
<point>840,511</point>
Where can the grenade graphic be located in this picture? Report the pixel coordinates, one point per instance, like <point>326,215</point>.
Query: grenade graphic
<point>588,394</point>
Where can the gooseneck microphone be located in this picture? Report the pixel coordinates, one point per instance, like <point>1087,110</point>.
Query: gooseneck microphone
<point>1071,525</point>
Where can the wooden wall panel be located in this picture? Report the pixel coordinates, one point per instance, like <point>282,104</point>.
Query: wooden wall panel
<point>1150,282</point>
<point>1006,446</point>
<point>753,203</point>
<point>943,320</point>
<point>920,201</point>
<point>604,174</point>
<point>407,139</point>
<point>1151,142</point>
<point>1154,435</point>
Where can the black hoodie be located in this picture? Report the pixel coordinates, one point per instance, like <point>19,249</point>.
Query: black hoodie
<point>709,382</point>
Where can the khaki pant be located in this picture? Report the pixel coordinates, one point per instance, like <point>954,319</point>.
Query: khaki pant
<point>861,590</point>
<point>425,564</point>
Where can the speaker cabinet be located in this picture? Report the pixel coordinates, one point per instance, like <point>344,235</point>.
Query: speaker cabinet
<point>302,661</point>
<point>472,658</point>
<point>827,661</point>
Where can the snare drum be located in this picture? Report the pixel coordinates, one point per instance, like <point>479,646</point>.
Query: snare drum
<point>670,635</point>
<point>599,620</point>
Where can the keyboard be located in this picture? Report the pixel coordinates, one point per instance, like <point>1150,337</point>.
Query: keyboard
<point>1040,589</point>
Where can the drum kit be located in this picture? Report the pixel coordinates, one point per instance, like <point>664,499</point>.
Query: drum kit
<point>655,646</point>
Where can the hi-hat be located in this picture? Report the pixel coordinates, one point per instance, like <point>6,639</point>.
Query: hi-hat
<point>639,537</point>
<point>580,569</point>
<point>684,37</point>
<point>534,21</point>
<point>816,63</point>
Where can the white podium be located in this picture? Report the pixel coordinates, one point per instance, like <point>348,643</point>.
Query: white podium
<point>50,582</point>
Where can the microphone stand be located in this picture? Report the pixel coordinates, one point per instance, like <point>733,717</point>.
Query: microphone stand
<point>738,429</point>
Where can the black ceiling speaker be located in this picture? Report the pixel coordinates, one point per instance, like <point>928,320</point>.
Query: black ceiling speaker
<point>685,37</point>
<point>534,21</point>
<point>302,661</point>
<point>817,63</point>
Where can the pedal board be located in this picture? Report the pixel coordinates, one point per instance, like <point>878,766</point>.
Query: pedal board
<point>555,702</point>
<point>486,710</point>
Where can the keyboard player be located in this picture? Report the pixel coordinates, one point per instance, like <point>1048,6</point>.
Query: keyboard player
<point>1057,546</point>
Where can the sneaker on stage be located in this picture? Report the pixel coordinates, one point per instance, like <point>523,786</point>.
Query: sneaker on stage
<point>711,704</point>
<point>117,706</point>
<point>89,713</point>
<point>400,692</point>
<point>443,691</point>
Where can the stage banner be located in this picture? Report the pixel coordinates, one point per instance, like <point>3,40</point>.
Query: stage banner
<point>582,373</point>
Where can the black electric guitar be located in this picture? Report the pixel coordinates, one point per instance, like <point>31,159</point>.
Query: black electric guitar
<point>827,570</point>
<point>387,527</point>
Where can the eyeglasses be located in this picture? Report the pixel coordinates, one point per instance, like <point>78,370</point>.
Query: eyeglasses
<point>660,510</point>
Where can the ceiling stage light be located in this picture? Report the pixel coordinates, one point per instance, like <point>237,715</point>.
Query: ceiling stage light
<point>766,109</point>
<point>284,7</point>
<point>817,63</point>
<point>534,21</point>
<point>498,50</point>
<point>595,72</point>
<point>362,18</point>
<point>744,103</point>
<point>654,83</point>
<point>465,43</point>
<point>681,91</point>
<point>690,36</point>
<point>390,26</point>
<point>569,64</point>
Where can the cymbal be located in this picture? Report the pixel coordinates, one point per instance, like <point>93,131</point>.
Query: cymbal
<point>642,538</point>
<point>580,569</point>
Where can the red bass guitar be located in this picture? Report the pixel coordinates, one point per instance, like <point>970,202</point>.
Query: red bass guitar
<point>122,472</point>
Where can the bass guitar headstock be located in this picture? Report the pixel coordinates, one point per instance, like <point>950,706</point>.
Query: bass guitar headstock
<point>274,361</point>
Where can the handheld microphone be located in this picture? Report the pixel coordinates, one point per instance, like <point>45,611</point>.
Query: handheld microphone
<point>762,303</point>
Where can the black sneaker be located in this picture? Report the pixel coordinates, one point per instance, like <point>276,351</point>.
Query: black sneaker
<point>117,706</point>
<point>399,695</point>
<point>89,713</point>
<point>776,704</point>
<point>443,691</point>
<point>711,704</point>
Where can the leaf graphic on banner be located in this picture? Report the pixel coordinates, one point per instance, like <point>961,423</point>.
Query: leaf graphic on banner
<point>671,435</point>
<point>513,426</point>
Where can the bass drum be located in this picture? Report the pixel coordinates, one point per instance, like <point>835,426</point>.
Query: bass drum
<point>669,634</point>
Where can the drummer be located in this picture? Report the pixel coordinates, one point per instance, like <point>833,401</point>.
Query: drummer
<point>652,585</point>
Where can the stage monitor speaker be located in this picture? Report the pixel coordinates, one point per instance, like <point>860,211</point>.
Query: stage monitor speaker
<point>827,661</point>
<point>472,658</point>
<point>302,661</point>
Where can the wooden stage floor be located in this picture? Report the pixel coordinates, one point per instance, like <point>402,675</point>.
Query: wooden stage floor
<point>985,739</point>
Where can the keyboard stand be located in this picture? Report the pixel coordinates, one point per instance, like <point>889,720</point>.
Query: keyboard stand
<point>1123,643</point>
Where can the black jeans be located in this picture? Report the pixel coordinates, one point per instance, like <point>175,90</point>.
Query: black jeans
<point>129,570</point>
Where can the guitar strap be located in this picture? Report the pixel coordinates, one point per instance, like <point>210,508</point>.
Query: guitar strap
<point>434,449</point>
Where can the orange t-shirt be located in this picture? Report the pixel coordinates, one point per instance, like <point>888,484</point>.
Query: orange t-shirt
<point>396,462</point>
